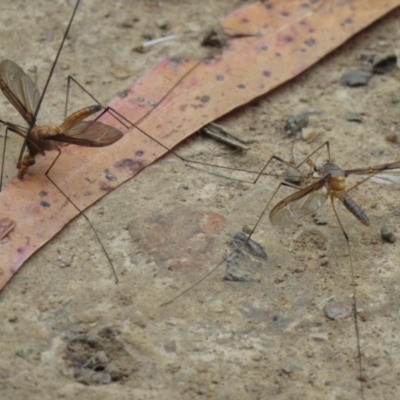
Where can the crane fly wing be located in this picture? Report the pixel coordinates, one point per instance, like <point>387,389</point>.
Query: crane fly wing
<point>89,134</point>
<point>19,89</point>
<point>304,202</point>
<point>384,173</point>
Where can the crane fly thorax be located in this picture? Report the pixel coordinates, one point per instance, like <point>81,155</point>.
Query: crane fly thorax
<point>40,135</point>
<point>335,175</point>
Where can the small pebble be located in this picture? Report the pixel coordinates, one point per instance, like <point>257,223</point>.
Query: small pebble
<point>84,375</point>
<point>338,310</point>
<point>252,246</point>
<point>135,259</point>
<point>354,117</point>
<point>130,22</point>
<point>317,219</point>
<point>288,369</point>
<point>324,261</point>
<point>101,357</point>
<point>392,138</point>
<point>387,234</point>
<point>375,362</point>
<point>363,315</point>
<point>101,377</point>
<point>163,24</point>
<point>120,72</point>
<point>237,267</point>
<point>66,259</point>
<point>141,49</point>
<point>354,78</point>
<point>296,123</point>
<point>307,133</point>
<point>113,370</point>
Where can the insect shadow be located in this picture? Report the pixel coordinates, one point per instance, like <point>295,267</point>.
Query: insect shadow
<point>325,180</point>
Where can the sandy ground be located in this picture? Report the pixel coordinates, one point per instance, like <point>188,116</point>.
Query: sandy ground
<point>69,331</point>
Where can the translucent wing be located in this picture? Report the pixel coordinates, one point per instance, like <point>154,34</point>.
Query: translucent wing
<point>19,89</point>
<point>89,134</point>
<point>304,202</point>
<point>385,173</point>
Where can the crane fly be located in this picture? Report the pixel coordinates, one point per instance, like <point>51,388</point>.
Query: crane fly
<point>25,97</point>
<point>23,94</point>
<point>329,181</point>
<point>331,184</point>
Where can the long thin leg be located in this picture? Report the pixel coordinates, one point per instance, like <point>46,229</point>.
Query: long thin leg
<point>148,113</point>
<point>320,147</point>
<point>289,164</point>
<point>355,298</point>
<point>81,213</point>
<point>362,181</point>
<point>3,159</point>
<point>21,131</point>
<point>119,117</point>
<point>47,83</point>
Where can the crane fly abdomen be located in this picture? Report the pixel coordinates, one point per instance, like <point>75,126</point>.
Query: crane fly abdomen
<point>354,208</point>
<point>78,116</point>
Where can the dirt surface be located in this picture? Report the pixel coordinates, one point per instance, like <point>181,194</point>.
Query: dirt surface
<point>67,330</point>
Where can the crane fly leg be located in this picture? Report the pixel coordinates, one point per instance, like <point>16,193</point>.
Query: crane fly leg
<point>354,295</point>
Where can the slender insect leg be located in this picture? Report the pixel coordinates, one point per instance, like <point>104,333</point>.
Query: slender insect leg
<point>3,159</point>
<point>292,164</point>
<point>120,118</point>
<point>354,295</point>
<point>362,181</point>
<point>19,131</point>
<point>80,213</point>
<point>71,78</point>
<point>267,205</point>
<point>47,84</point>
<point>320,147</point>
<point>289,164</point>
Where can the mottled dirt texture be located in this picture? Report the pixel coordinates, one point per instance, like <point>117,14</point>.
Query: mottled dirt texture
<point>68,331</point>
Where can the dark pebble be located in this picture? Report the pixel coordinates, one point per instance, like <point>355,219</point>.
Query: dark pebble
<point>355,78</point>
<point>253,247</point>
<point>387,234</point>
